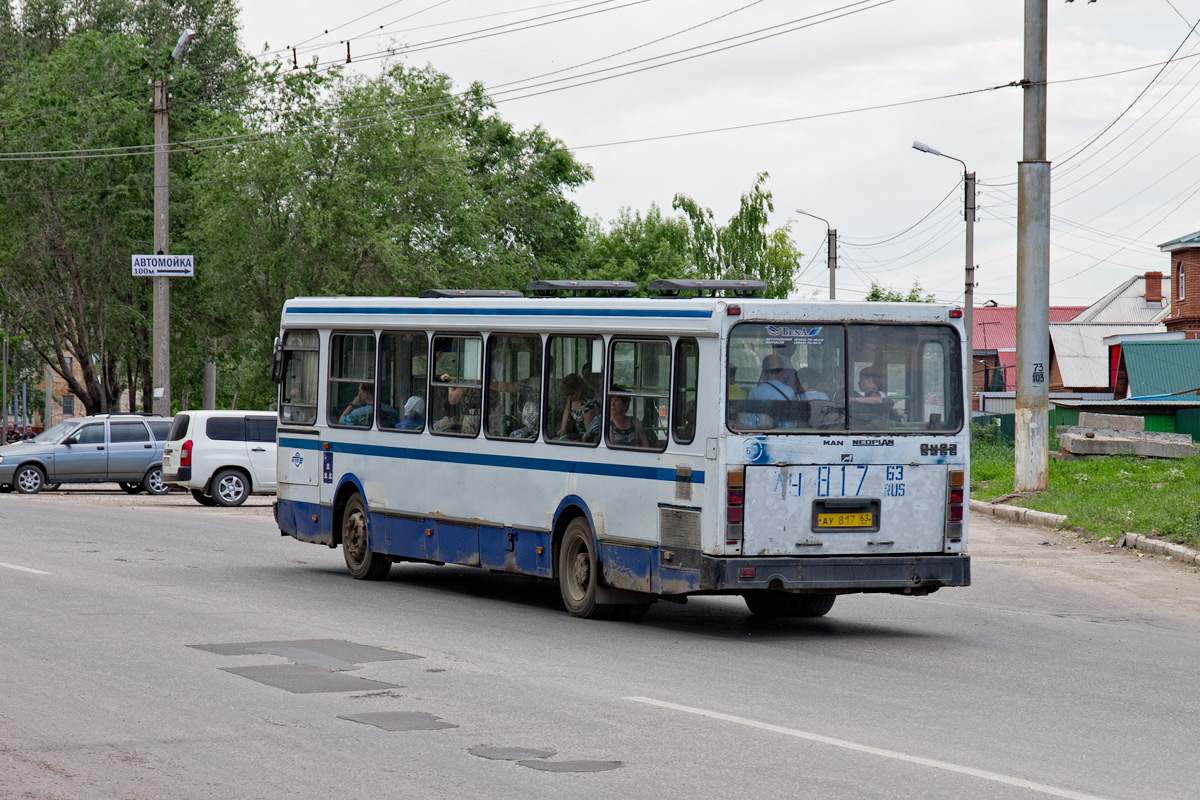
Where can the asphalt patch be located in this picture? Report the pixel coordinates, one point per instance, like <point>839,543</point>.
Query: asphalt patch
<point>509,753</point>
<point>571,766</point>
<point>337,649</point>
<point>400,720</point>
<point>307,679</point>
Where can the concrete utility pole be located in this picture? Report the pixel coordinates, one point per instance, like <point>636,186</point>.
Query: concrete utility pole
<point>161,339</point>
<point>48,416</point>
<point>160,351</point>
<point>1033,266</point>
<point>831,246</point>
<point>831,255</point>
<point>4,396</point>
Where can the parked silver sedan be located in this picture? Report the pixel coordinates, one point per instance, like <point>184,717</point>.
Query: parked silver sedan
<point>126,448</point>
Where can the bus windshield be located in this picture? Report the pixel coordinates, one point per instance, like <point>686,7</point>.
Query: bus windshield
<point>844,377</point>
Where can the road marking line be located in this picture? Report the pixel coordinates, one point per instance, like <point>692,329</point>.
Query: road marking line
<point>1020,783</point>
<point>23,569</point>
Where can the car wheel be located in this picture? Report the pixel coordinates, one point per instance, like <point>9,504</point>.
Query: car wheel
<point>203,499</point>
<point>230,487</point>
<point>153,482</point>
<point>130,488</point>
<point>29,479</point>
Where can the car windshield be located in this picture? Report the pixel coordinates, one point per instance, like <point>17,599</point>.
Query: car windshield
<point>58,432</point>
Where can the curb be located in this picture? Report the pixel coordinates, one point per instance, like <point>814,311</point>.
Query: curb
<point>1018,514</point>
<point>1175,552</point>
<point>1138,541</point>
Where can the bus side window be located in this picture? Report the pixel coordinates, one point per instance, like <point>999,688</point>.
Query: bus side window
<point>514,387</point>
<point>351,379</point>
<point>572,413</point>
<point>639,394</point>
<point>403,358</point>
<point>687,372</point>
<point>454,392</point>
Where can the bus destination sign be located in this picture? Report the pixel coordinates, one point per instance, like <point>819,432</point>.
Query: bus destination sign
<point>164,266</point>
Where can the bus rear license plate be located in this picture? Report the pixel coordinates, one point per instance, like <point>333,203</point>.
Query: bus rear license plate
<point>848,520</point>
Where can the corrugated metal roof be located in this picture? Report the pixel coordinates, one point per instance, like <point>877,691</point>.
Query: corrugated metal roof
<point>995,327</point>
<point>1160,368</point>
<point>1081,353</point>
<point>1127,304</point>
<point>1191,240</point>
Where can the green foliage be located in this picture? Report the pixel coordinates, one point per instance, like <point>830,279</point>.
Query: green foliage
<point>743,248</point>
<point>916,294</point>
<point>1104,495</point>
<point>370,186</point>
<point>637,248</point>
<point>74,76</point>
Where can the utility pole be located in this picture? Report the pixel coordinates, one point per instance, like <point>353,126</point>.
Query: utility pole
<point>831,248</point>
<point>4,397</point>
<point>160,350</point>
<point>48,416</point>
<point>161,339</point>
<point>831,245</point>
<point>969,294</point>
<point>1033,266</point>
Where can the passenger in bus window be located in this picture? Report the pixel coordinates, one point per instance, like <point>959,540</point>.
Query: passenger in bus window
<point>573,389</point>
<point>591,421</point>
<point>775,383</point>
<point>414,415</point>
<point>529,422</point>
<point>361,407</point>
<point>809,385</point>
<point>868,387</point>
<point>623,429</point>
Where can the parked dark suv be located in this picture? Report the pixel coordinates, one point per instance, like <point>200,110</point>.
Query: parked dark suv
<point>126,448</point>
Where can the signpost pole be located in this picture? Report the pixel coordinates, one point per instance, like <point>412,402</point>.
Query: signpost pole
<point>161,338</point>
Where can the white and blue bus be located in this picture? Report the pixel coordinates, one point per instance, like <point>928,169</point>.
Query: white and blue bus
<point>702,441</point>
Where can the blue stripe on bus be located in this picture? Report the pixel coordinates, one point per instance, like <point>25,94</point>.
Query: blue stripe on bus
<point>508,312</point>
<point>487,460</point>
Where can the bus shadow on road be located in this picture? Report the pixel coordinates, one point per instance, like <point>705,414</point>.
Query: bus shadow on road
<point>719,616</point>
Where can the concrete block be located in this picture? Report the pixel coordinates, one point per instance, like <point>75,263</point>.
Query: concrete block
<point>1044,518</point>
<point>1118,422</point>
<point>1157,449</point>
<point>1081,444</point>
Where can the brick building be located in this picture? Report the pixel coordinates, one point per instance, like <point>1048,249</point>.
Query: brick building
<point>1185,285</point>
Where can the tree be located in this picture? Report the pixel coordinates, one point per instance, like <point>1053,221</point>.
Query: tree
<point>915,295</point>
<point>637,248</point>
<point>743,248</point>
<point>371,186</point>
<point>68,224</point>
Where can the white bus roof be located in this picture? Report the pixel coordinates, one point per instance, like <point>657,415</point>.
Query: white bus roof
<point>696,315</point>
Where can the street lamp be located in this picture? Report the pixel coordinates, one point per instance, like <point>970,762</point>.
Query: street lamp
<point>831,247</point>
<point>161,339</point>
<point>969,215</point>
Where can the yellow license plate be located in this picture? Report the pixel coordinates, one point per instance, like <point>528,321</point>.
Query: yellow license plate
<point>857,519</point>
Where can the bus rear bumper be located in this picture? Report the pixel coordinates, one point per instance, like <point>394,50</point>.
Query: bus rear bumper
<point>902,574</point>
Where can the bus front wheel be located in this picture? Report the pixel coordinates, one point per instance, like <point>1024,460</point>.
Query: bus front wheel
<point>781,604</point>
<point>362,563</point>
<point>577,575</point>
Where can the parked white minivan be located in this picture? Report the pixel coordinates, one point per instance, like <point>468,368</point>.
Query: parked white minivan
<point>223,457</point>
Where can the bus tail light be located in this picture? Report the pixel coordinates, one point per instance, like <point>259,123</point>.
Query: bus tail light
<point>955,505</point>
<point>185,454</point>
<point>735,508</point>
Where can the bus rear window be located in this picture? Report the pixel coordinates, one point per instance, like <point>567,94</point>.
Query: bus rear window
<point>798,377</point>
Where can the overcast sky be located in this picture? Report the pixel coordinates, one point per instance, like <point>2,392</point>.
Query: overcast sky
<point>795,91</point>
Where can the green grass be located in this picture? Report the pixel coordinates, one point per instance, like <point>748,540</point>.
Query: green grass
<point>1104,495</point>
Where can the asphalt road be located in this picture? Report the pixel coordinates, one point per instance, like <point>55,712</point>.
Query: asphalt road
<point>152,648</point>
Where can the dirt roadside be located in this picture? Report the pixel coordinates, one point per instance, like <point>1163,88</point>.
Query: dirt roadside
<point>1073,556</point>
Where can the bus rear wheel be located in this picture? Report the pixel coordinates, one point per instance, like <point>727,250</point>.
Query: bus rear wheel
<point>577,572</point>
<point>362,563</point>
<point>782,604</point>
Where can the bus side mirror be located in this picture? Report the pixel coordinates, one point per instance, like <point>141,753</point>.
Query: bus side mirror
<point>277,367</point>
